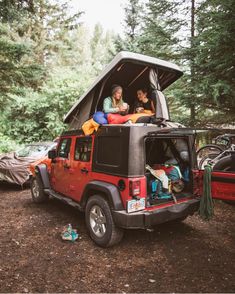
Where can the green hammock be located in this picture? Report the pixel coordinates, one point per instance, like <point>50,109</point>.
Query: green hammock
<point>206,209</point>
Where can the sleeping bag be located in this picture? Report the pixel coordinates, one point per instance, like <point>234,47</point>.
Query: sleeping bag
<point>115,118</point>
<point>100,118</point>
<point>137,116</point>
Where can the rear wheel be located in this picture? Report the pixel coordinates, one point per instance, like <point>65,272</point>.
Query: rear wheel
<point>100,222</point>
<point>224,164</point>
<point>37,192</point>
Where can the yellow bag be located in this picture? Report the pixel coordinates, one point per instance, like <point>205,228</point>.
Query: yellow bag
<point>135,116</point>
<point>89,127</point>
<point>148,112</point>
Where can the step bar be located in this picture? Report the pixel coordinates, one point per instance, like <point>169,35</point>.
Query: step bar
<point>63,198</point>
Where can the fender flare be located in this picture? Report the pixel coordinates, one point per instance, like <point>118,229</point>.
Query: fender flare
<point>42,173</point>
<point>110,191</point>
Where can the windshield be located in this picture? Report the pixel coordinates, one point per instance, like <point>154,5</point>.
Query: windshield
<point>33,151</point>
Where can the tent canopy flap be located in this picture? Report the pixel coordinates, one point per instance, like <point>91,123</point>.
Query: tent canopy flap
<point>130,70</point>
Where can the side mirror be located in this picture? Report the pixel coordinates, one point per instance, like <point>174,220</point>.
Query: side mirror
<point>52,154</point>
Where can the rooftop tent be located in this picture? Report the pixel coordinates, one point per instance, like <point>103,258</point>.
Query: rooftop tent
<point>132,71</point>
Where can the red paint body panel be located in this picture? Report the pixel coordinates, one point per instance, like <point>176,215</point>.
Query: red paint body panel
<point>44,160</point>
<point>223,185</point>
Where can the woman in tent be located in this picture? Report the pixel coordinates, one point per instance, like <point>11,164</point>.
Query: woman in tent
<point>115,104</point>
<point>144,104</point>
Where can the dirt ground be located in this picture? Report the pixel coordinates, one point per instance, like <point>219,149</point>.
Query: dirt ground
<point>193,256</point>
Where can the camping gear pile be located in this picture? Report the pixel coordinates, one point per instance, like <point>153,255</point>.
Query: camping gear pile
<point>164,181</point>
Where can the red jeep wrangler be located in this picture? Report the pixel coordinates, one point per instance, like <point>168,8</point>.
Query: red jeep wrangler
<point>113,175</point>
<point>105,175</point>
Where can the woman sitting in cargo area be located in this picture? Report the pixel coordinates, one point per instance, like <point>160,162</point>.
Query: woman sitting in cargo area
<point>115,103</point>
<point>143,104</point>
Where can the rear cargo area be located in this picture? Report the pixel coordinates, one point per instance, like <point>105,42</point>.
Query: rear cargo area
<point>168,169</point>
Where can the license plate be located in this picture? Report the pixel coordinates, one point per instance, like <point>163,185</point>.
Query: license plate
<point>135,205</point>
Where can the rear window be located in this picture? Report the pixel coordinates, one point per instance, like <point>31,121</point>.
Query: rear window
<point>83,149</point>
<point>109,150</point>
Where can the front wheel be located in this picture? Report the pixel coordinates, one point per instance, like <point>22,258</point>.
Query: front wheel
<point>37,192</point>
<point>100,222</point>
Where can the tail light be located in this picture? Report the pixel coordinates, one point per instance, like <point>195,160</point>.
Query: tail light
<point>134,188</point>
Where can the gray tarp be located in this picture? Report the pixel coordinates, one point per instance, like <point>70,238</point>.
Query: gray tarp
<point>15,169</point>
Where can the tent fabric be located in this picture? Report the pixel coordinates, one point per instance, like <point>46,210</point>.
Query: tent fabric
<point>154,79</point>
<point>157,96</point>
<point>160,104</point>
<point>131,71</point>
<point>82,113</point>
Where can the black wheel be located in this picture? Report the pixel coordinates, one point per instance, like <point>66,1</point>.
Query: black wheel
<point>37,192</point>
<point>206,160</point>
<point>207,153</point>
<point>224,164</point>
<point>100,222</point>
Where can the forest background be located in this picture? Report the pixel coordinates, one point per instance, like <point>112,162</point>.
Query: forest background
<point>48,58</point>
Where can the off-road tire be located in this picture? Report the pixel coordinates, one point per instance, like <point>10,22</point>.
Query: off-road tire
<point>224,164</point>
<point>37,192</point>
<point>113,234</point>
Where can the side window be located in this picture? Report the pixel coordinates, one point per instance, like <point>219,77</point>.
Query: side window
<point>64,148</point>
<point>83,149</point>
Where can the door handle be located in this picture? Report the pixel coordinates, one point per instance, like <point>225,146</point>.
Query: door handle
<point>84,170</point>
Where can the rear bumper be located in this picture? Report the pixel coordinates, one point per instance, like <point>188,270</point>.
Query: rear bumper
<point>146,219</point>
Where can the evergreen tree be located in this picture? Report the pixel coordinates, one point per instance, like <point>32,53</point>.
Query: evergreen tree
<point>132,24</point>
<point>102,47</point>
<point>215,57</point>
<point>160,26</point>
